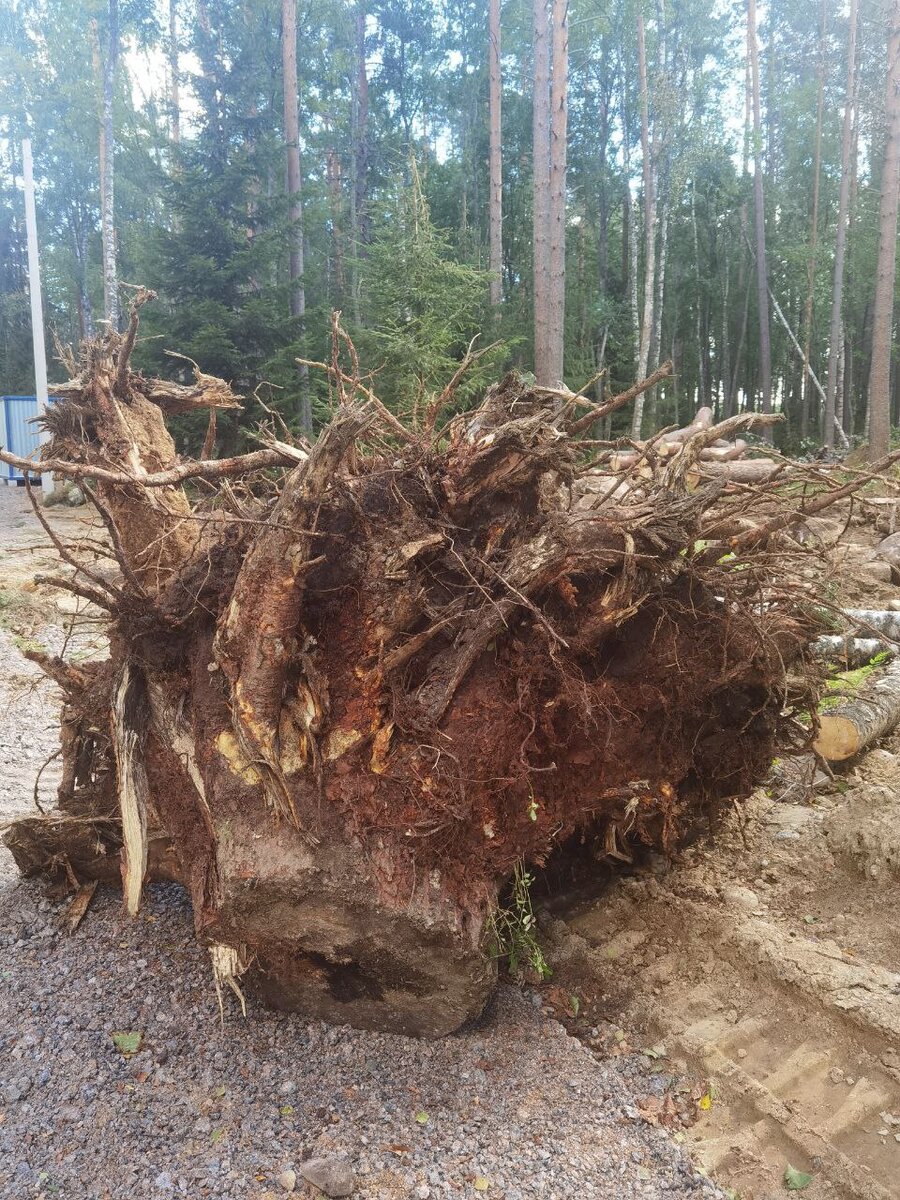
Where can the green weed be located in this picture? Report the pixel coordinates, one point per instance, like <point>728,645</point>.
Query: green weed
<point>515,930</point>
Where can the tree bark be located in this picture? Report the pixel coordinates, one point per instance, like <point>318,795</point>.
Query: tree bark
<point>840,243</point>
<point>883,309</point>
<point>359,194</point>
<point>295,199</point>
<point>703,389</point>
<point>762,272</point>
<point>107,152</point>
<point>174,81</point>
<point>335,203</point>
<point>540,171</point>
<point>649,226</point>
<point>861,719</point>
<point>352,707</point>
<point>543,293</point>
<point>656,340</point>
<point>559,118</point>
<point>495,96</point>
<point>813,225</point>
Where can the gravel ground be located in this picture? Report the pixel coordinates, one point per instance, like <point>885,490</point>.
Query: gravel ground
<point>516,1107</point>
<point>29,735</point>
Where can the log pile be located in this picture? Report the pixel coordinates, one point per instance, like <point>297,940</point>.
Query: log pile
<point>721,456</point>
<point>353,686</point>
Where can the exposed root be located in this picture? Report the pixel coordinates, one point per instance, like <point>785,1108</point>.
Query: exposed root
<point>354,685</point>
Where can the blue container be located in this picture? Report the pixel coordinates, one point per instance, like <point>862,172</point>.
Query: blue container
<point>18,431</point>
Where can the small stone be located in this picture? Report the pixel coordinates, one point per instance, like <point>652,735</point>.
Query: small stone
<point>288,1087</point>
<point>422,1192</point>
<point>742,897</point>
<point>742,1053</point>
<point>836,1075</point>
<point>882,571</point>
<point>787,835</point>
<point>332,1176</point>
<point>287,1180</point>
<point>163,1182</point>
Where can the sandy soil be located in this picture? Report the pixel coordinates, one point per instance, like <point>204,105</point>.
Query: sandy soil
<point>767,961</point>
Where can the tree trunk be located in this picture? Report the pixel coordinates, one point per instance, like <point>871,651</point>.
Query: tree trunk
<point>883,309</point>
<point>353,711</point>
<point>174,89</point>
<point>840,243</point>
<point>359,193</point>
<point>80,240</point>
<point>656,339</point>
<point>559,118</point>
<point>541,208</point>
<point>702,376</point>
<point>335,204</point>
<point>813,226</point>
<point>107,150</point>
<point>649,227</point>
<point>295,201</point>
<point>543,291</point>
<point>495,233</point>
<point>762,273</point>
<point>861,719</point>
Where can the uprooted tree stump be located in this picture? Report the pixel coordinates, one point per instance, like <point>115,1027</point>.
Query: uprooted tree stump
<point>351,686</point>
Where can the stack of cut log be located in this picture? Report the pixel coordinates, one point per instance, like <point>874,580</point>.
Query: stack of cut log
<point>719,457</point>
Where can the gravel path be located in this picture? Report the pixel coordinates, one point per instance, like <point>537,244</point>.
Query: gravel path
<point>515,1108</point>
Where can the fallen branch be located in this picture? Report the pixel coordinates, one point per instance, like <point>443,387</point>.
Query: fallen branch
<point>210,469</point>
<point>616,402</point>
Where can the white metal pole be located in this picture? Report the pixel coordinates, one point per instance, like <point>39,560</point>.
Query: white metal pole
<point>34,290</point>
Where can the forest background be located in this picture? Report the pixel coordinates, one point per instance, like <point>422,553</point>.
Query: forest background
<point>588,190</point>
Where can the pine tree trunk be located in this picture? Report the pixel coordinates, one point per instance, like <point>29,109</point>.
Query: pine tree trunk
<point>559,120</point>
<point>495,233</point>
<point>649,228</point>
<point>295,202</point>
<point>702,376</point>
<point>813,228</point>
<point>107,162</point>
<point>883,313</point>
<point>85,309</point>
<point>762,274</point>
<point>837,294</point>
<point>543,294</point>
<point>359,223</point>
<point>174,89</point>
<point>656,340</point>
<point>335,194</point>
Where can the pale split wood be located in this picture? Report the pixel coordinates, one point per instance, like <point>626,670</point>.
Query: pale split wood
<point>132,793</point>
<point>228,964</point>
<point>176,732</point>
<point>79,905</point>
